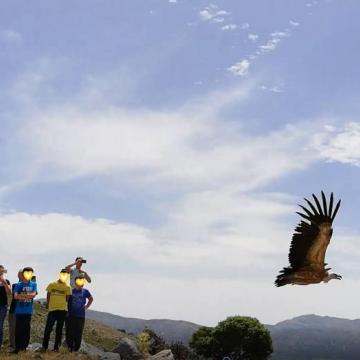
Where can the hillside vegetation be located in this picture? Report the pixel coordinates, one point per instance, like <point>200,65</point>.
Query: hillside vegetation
<point>102,336</point>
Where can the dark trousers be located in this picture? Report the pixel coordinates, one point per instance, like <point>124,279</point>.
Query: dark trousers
<point>57,316</point>
<point>12,321</point>
<point>74,331</point>
<point>22,331</point>
<point>3,311</point>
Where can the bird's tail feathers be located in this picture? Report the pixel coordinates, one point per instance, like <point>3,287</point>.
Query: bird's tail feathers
<point>283,278</point>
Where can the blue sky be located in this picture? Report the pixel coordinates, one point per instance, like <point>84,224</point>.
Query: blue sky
<point>170,141</point>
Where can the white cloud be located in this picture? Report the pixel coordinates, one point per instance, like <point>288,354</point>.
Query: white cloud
<point>224,240</point>
<point>153,147</point>
<point>173,1</point>
<point>274,41</point>
<point>159,148</point>
<point>11,36</point>
<point>280,34</point>
<point>342,145</point>
<point>253,37</point>
<point>275,89</point>
<point>294,23</point>
<point>270,45</point>
<point>213,13</point>
<point>237,234</point>
<point>229,27</point>
<point>245,26</point>
<point>218,20</point>
<point>241,68</point>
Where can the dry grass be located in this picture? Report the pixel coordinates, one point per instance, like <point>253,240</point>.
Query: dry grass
<point>96,334</point>
<point>62,355</point>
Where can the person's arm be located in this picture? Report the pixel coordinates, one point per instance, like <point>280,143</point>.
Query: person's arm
<point>90,301</point>
<point>7,286</point>
<point>68,267</point>
<point>47,299</point>
<point>28,296</point>
<point>21,296</point>
<point>87,277</point>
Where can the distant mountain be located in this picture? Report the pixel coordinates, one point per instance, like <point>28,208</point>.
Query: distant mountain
<point>311,337</point>
<point>307,337</point>
<point>169,330</point>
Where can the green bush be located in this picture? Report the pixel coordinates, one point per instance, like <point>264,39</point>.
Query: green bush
<point>239,337</point>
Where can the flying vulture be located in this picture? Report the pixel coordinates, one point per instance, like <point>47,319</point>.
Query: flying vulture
<point>309,243</point>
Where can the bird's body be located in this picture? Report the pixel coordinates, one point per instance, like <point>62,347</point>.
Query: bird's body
<point>309,245</point>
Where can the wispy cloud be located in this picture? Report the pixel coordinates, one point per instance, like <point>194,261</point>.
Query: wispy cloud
<point>294,23</point>
<point>157,147</point>
<point>253,37</point>
<point>275,89</point>
<point>229,27</point>
<point>213,13</point>
<point>11,36</point>
<point>342,145</point>
<point>274,40</point>
<point>241,68</point>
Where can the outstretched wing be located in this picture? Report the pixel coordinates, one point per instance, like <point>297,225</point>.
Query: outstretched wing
<point>312,235</point>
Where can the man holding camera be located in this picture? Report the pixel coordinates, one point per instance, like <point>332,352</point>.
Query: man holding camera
<point>5,290</point>
<point>77,271</point>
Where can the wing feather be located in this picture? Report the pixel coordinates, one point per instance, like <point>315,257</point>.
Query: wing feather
<point>324,203</point>
<point>310,240</point>
<point>318,205</point>
<point>336,210</point>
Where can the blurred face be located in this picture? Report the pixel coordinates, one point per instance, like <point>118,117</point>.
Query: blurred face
<point>79,263</point>
<point>1,270</point>
<point>63,277</point>
<point>80,282</point>
<point>27,275</point>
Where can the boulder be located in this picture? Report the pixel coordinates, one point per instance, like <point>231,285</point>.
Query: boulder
<point>34,347</point>
<point>128,350</point>
<point>89,349</point>
<point>163,355</point>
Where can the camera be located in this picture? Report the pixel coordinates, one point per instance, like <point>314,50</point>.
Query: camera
<point>83,261</point>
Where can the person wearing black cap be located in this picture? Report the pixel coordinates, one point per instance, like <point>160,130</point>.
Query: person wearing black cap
<point>76,271</point>
<point>24,293</point>
<point>5,290</point>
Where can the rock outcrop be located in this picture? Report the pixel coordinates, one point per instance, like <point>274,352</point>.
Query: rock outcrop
<point>163,355</point>
<point>128,350</point>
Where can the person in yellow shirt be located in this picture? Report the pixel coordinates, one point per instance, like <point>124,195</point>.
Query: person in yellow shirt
<point>58,294</point>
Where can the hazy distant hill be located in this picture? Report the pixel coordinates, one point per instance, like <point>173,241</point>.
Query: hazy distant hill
<point>169,330</point>
<point>311,337</point>
<point>307,337</point>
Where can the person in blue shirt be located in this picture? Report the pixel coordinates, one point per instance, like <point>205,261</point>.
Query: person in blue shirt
<point>79,301</point>
<point>24,293</point>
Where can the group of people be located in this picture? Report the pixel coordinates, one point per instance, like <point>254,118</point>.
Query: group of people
<point>66,305</point>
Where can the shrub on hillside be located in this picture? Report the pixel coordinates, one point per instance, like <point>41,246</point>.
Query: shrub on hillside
<point>239,337</point>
